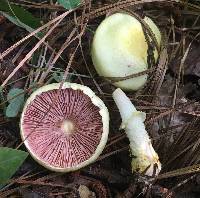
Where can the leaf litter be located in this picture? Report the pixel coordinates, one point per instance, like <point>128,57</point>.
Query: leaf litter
<point>170,98</point>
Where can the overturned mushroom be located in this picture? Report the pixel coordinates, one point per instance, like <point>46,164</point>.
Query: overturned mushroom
<point>120,49</point>
<point>64,129</point>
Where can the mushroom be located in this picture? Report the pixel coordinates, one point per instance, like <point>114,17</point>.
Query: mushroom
<point>119,49</point>
<point>144,158</point>
<point>64,129</point>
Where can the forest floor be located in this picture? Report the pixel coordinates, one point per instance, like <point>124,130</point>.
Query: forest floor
<point>58,49</point>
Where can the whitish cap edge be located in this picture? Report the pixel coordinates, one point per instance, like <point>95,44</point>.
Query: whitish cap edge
<point>95,100</point>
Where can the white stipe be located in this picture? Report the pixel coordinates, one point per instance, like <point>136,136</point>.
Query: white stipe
<point>126,108</point>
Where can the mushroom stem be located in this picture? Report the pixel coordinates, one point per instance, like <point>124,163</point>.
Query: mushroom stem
<point>144,158</point>
<point>124,104</point>
<point>68,127</point>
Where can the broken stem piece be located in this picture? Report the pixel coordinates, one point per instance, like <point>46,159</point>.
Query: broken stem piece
<point>144,158</point>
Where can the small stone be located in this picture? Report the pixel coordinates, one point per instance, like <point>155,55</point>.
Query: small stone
<point>84,192</point>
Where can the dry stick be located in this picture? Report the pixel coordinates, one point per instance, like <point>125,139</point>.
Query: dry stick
<point>48,64</point>
<point>183,182</point>
<point>183,150</point>
<point>8,192</point>
<point>123,4</point>
<point>12,181</point>
<point>165,113</point>
<point>41,6</point>
<point>83,25</point>
<point>182,171</point>
<point>59,194</point>
<point>41,179</point>
<point>27,175</point>
<point>41,59</point>
<point>117,139</point>
<point>39,183</point>
<point>32,3</point>
<point>19,52</point>
<point>87,67</point>
<point>40,63</point>
<point>163,61</point>
<point>71,58</point>
<point>178,155</point>
<point>118,79</point>
<point>68,67</point>
<point>67,42</point>
<point>87,6</point>
<point>31,52</point>
<point>114,137</point>
<point>111,153</point>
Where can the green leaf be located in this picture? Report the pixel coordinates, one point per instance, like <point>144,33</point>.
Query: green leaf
<point>57,77</point>
<point>17,22</point>
<point>69,4</point>
<point>10,161</point>
<point>19,15</point>
<point>16,99</point>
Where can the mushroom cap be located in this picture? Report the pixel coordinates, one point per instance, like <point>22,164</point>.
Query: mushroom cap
<point>64,130</point>
<point>119,49</point>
